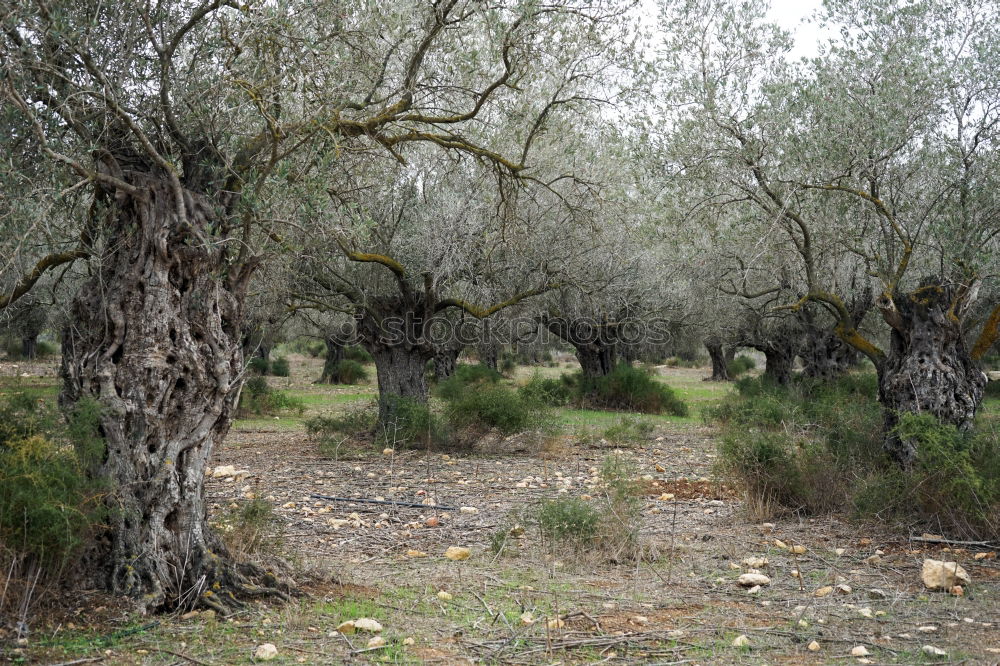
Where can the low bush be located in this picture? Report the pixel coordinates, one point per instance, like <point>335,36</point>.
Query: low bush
<point>607,525</point>
<point>493,406</point>
<point>358,354</point>
<point>258,398</point>
<point>740,366</point>
<point>507,365</point>
<point>992,389</point>
<point>628,430</point>
<point>259,366</point>
<point>630,389</point>
<point>349,372</point>
<point>554,392</point>
<point>51,498</point>
<point>332,433</point>
<point>251,530</point>
<point>817,446</point>
<point>465,377</point>
<point>279,367</point>
<point>414,424</point>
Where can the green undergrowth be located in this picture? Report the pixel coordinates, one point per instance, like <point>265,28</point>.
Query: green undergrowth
<point>51,492</point>
<point>261,399</point>
<point>815,447</point>
<point>625,388</point>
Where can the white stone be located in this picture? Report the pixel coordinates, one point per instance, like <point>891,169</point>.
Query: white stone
<point>938,575</point>
<point>265,652</point>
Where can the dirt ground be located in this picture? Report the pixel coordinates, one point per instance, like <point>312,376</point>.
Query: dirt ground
<point>536,603</point>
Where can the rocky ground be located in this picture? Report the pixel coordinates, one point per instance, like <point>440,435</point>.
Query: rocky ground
<point>833,591</point>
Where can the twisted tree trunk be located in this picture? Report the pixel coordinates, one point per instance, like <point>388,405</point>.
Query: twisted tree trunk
<point>720,366</point>
<point>824,355</point>
<point>154,337</point>
<point>445,358</point>
<point>928,367</point>
<point>393,330</point>
<point>595,346</point>
<point>334,355</point>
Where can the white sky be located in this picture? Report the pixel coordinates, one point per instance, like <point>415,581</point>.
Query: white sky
<point>789,14</point>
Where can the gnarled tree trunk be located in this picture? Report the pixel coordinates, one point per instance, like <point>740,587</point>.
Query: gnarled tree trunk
<point>720,368</point>
<point>155,336</point>
<point>595,346</point>
<point>393,330</point>
<point>334,355</point>
<point>445,358</point>
<point>488,348</point>
<point>824,355</point>
<point>778,362</point>
<point>928,367</point>
<point>337,337</point>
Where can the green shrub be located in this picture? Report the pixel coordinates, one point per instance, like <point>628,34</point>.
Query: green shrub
<point>494,407</point>
<point>260,399</point>
<point>568,519</point>
<point>631,389</point>
<point>49,506</point>
<point>740,365</point>
<point>357,353</point>
<point>251,530</point>
<point>956,481</point>
<point>507,365</point>
<point>413,424</point>
<point>46,349</point>
<point>279,367</point>
<point>552,392</point>
<point>307,347</point>
<point>349,372</point>
<point>259,366</point>
<point>467,375</point>
<point>333,432</point>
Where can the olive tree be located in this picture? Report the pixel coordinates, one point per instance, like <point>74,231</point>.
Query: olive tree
<point>174,122</point>
<point>883,149</point>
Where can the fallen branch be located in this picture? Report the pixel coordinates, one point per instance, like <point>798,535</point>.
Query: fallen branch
<point>417,505</point>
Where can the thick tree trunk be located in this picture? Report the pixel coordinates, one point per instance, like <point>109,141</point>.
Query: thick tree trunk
<point>400,376</point>
<point>445,358</point>
<point>824,355</point>
<point>778,363</point>
<point>29,347</point>
<point>334,355</point>
<point>596,359</point>
<point>720,368</point>
<point>928,367</point>
<point>393,330</point>
<point>154,337</point>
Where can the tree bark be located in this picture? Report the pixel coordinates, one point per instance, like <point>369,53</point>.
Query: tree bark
<point>488,349</point>
<point>393,329</point>
<point>928,367</point>
<point>596,359</point>
<point>778,363</point>
<point>445,358</point>
<point>29,347</point>
<point>824,355</point>
<point>154,336</point>
<point>334,355</point>
<point>720,368</point>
